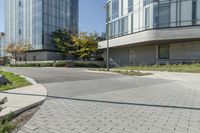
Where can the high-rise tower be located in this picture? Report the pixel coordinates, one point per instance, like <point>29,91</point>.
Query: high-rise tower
<point>35,20</point>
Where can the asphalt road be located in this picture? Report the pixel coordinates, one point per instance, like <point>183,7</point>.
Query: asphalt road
<point>51,75</point>
<point>69,82</point>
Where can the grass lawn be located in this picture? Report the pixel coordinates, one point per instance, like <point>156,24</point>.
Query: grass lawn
<point>6,126</point>
<point>16,81</point>
<point>192,68</point>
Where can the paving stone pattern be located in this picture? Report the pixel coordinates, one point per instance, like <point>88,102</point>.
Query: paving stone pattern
<point>87,117</point>
<point>78,116</point>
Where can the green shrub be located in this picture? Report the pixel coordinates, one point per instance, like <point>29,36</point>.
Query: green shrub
<point>5,125</point>
<point>59,64</point>
<point>32,65</point>
<point>2,101</point>
<point>12,65</point>
<point>46,64</point>
<point>79,64</point>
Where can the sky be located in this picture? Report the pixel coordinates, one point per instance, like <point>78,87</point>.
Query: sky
<point>91,16</point>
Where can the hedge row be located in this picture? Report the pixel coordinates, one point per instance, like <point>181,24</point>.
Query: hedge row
<point>57,64</point>
<point>32,65</point>
<point>86,65</point>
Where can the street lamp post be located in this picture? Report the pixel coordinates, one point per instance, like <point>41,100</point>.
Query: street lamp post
<point>106,7</point>
<point>107,33</point>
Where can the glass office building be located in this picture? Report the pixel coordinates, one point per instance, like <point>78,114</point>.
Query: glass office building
<point>34,21</point>
<point>2,44</point>
<point>151,31</point>
<point>131,16</point>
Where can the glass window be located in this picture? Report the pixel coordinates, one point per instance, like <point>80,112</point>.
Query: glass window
<point>122,7</point>
<point>146,2</point>
<point>116,28</point>
<point>108,11</point>
<point>112,29</point>
<point>115,9</point>
<point>20,4</point>
<point>34,58</point>
<point>156,16</point>
<point>163,51</point>
<point>130,5</point>
<point>126,24</point>
<point>131,23</point>
<point>20,31</point>
<point>186,13</point>
<point>194,12</point>
<point>122,26</point>
<point>164,15</point>
<point>147,18</point>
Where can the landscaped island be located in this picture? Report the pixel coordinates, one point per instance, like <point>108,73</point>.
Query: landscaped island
<point>137,70</point>
<point>190,68</point>
<point>14,81</point>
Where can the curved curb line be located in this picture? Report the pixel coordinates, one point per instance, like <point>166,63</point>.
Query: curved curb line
<point>33,82</point>
<point>31,105</point>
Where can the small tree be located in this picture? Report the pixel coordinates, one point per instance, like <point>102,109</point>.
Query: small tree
<point>63,41</point>
<point>11,49</point>
<point>86,45</point>
<point>24,47</point>
<point>19,48</point>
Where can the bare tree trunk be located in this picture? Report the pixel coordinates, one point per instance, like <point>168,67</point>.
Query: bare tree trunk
<point>26,58</point>
<point>15,58</point>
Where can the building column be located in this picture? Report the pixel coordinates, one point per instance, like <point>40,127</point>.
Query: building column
<point>157,52</point>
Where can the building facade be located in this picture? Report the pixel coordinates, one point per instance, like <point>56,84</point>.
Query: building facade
<point>34,21</point>
<point>153,31</point>
<point>2,44</point>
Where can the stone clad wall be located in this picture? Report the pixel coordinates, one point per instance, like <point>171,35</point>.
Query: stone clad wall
<point>185,51</point>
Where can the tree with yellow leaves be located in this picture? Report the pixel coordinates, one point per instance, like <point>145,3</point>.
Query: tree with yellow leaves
<point>86,45</point>
<point>17,49</point>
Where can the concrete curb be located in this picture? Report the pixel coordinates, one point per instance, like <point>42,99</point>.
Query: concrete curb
<point>108,72</point>
<point>32,81</point>
<point>24,98</point>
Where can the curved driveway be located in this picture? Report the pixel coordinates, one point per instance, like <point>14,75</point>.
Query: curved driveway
<point>88,102</point>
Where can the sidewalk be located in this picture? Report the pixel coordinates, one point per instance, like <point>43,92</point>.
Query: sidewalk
<point>181,76</point>
<point>21,99</point>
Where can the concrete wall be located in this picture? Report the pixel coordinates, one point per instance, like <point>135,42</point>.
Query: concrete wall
<point>148,54</point>
<point>143,55</point>
<point>139,55</point>
<point>43,55</point>
<point>119,55</point>
<point>185,51</point>
<point>54,56</point>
